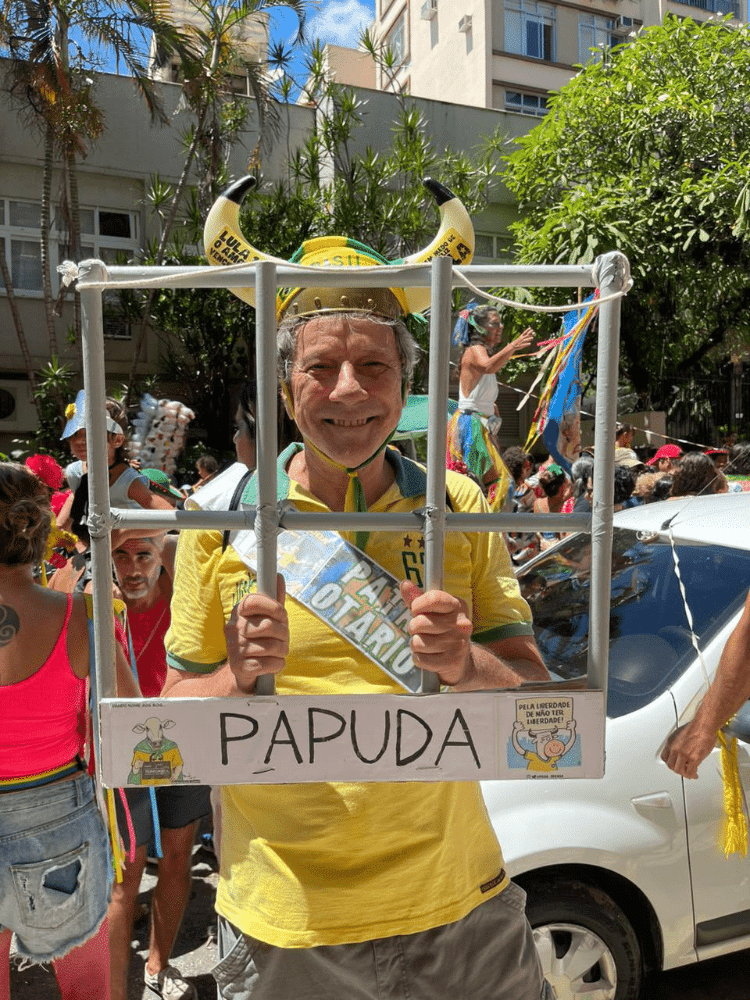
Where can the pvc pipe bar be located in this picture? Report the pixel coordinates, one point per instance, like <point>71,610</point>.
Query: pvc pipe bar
<point>92,337</point>
<point>437,420</point>
<point>410,275</point>
<point>290,518</point>
<point>266,517</point>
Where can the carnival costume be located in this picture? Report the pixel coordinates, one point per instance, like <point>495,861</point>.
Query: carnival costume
<point>469,445</point>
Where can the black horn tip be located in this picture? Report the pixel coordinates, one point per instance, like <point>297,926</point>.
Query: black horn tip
<point>237,191</point>
<point>439,191</point>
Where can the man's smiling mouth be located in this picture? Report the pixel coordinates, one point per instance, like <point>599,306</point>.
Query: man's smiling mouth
<point>348,423</point>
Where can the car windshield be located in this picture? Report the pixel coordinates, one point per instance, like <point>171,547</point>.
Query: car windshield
<point>650,642</point>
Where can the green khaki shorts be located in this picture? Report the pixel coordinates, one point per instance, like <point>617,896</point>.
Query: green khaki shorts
<point>489,955</point>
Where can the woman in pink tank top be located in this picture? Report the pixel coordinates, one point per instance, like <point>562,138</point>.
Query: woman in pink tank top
<point>54,870</point>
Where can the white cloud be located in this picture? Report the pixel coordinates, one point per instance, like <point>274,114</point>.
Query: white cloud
<point>341,21</point>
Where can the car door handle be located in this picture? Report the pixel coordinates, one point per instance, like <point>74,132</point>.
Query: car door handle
<point>656,800</point>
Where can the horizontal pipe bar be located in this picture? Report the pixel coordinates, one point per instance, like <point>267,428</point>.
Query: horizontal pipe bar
<point>483,275</point>
<point>291,519</point>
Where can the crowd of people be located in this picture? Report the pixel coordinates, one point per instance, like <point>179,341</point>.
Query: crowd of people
<point>542,486</point>
<point>325,890</point>
<point>42,522</point>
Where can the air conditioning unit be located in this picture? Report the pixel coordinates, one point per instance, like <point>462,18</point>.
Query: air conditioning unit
<point>623,26</point>
<point>428,10</point>
<point>465,23</point>
<point>17,410</point>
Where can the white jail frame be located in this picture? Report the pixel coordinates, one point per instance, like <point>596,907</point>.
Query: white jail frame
<point>485,719</point>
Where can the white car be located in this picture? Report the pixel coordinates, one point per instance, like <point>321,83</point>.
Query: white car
<point>626,874</point>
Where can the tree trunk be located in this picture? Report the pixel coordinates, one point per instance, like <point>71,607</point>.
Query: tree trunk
<point>22,342</point>
<point>166,233</point>
<point>75,244</point>
<point>44,225</point>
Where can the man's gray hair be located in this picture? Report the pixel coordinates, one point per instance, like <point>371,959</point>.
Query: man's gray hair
<point>286,341</point>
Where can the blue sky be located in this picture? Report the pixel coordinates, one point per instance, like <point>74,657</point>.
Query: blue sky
<point>337,21</point>
<point>340,21</point>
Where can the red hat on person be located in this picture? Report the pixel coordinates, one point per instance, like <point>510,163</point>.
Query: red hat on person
<point>666,451</point>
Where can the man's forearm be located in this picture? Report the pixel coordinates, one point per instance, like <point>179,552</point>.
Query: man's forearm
<point>725,697</point>
<point>219,684</point>
<point>487,670</point>
<point>731,686</point>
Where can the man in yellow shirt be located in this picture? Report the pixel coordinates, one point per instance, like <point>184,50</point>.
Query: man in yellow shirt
<point>358,890</point>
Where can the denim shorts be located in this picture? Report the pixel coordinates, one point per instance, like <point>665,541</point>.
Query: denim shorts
<point>54,872</point>
<point>488,955</point>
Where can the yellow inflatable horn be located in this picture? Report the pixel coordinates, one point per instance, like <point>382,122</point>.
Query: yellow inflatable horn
<point>225,244</point>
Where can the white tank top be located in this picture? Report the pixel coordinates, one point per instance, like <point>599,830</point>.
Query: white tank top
<point>481,398</point>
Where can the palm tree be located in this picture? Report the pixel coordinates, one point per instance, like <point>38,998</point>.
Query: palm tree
<point>54,48</point>
<point>210,70</point>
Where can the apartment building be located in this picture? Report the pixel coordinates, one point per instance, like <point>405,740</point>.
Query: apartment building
<point>249,38</point>
<point>509,54</point>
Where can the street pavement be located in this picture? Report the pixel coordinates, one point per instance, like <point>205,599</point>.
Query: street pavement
<point>726,978</point>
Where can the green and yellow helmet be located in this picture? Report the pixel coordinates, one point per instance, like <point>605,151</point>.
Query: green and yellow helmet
<point>224,244</point>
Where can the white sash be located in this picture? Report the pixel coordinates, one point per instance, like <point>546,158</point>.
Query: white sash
<point>348,591</point>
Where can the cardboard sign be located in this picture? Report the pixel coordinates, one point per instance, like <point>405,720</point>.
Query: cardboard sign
<point>479,735</point>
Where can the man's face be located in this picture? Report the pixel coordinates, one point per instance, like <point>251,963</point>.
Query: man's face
<point>137,565</point>
<point>346,387</point>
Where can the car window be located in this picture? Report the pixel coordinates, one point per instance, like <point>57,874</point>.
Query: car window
<point>650,644</point>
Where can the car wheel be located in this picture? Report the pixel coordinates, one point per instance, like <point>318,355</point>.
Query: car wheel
<point>586,944</point>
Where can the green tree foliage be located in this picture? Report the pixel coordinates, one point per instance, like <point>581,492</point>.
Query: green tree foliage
<point>647,151</point>
<point>54,389</point>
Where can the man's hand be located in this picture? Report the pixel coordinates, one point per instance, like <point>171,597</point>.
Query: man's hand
<point>440,630</point>
<point>687,747</point>
<point>257,636</point>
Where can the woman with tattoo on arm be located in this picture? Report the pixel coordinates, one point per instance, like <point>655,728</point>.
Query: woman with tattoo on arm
<point>54,877</point>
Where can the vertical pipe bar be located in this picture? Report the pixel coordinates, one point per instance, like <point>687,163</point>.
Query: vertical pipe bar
<point>92,332</point>
<point>437,418</point>
<point>612,270</point>
<point>266,518</point>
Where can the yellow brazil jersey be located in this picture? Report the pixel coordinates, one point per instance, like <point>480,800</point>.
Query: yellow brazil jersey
<point>536,763</point>
<point>333,863</point>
